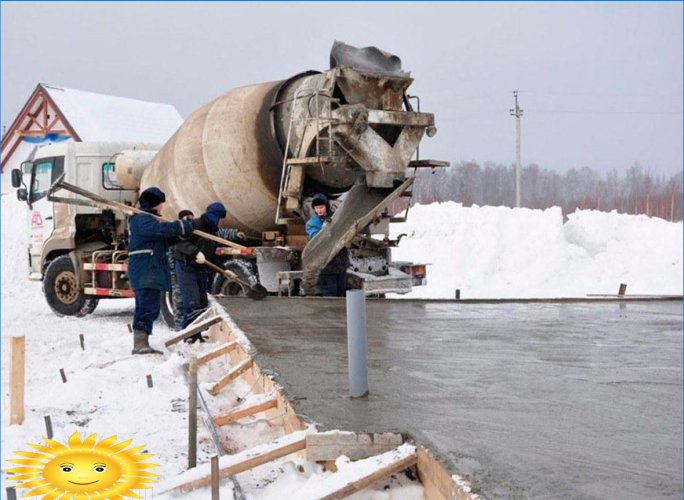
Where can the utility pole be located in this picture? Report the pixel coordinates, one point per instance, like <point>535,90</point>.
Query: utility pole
<point>517,112</point>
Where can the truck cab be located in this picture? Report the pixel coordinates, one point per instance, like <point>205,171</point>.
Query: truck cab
<point>62,235</point>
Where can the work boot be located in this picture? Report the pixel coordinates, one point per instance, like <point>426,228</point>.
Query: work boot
<point>141,343</point>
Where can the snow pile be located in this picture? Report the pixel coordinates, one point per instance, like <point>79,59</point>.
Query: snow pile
<point>499,252</point>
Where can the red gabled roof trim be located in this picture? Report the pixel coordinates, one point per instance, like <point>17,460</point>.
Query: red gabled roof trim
<point>12,139</point>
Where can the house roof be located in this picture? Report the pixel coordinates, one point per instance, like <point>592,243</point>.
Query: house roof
<point>55,113</point>
<point>100,117</point>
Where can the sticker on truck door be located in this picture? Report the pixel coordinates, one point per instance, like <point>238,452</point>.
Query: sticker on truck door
<point>36,219</point>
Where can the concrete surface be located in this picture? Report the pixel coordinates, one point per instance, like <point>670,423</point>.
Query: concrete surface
<point>528,400</point>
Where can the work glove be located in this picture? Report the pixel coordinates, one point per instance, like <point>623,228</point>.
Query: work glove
<point>200,258</point>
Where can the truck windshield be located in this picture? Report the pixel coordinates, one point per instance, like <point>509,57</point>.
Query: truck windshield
<point>44,173</point>
<point>41,179</point>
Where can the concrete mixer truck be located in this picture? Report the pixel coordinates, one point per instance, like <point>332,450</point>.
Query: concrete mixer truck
<point>263,150</point>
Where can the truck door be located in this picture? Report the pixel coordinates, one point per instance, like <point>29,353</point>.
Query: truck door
<point>41,214</point>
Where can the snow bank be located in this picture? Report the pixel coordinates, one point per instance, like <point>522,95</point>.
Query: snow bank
<point>499,252</point>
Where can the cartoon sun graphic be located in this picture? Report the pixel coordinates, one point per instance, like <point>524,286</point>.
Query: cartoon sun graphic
<point>83,470</point>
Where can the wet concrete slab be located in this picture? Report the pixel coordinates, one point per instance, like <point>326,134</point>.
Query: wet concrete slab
<point>528,400</point>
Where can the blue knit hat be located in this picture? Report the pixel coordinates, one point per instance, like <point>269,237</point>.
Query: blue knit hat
<point>215,212</point>
<point>151,197</point>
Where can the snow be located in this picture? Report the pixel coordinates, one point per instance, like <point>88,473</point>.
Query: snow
<point>100,117</point>
<point>204,471</point>
<point>319,487</point>
<point>484,251</point>
<point>499,252</point>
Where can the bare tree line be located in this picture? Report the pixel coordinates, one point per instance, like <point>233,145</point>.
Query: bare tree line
<point>634,191</point>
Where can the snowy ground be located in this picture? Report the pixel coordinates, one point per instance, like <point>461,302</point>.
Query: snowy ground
<point>106,392</point>
<point>484,251</point>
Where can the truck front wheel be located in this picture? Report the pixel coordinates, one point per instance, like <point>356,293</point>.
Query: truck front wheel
<point>61,290</point>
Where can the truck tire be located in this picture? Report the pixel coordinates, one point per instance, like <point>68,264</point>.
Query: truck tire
<point>62,292</point>
<point>90,305</point>
<point>167,313</point>
<point>244,269</point>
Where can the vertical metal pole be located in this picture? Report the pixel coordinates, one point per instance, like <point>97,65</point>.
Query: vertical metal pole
<point>48,426</point>
<point>517,112</point>
<point>215,477</point>
<point>357,343</point>
<point>517,161</point>
<point>192,413</point>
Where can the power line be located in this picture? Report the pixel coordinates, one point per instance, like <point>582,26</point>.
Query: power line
<point>517,112</point>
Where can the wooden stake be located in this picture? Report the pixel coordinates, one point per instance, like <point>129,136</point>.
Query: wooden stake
<point>48,426</point>
<point>82,340</point>
<point>215,477</point>
<point>192,416</point>
<point>61,372</point>
<point>130,329</point>
<point>149,381</point>
<point>17,380</point>
<point>623,289</point>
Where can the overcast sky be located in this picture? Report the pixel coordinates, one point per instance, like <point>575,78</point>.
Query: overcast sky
<point>600,83</point>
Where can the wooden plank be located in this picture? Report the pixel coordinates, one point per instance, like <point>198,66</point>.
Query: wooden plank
<point>361,474</point>
<point>17,379</point>
<point>234,464</point>
<point>215,353</point>
<point>239,413</point>
<point>230,376</point>
<point>438,483</point>
<point>192,330</point>
<point>325,446</point>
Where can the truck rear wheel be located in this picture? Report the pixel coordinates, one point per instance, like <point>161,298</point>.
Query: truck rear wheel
<point>167,310</point>
<point>61,290</point>
<point>245,270</point>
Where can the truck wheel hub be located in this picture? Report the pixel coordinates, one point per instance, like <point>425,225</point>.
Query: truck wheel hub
<point>65,287</point>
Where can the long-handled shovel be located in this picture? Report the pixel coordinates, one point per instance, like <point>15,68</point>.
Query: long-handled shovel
<point>256,292</point>
<point>99,201</point>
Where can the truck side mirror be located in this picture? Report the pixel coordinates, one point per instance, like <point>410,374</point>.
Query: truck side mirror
<point>22,194</point>
<point>16,177</point>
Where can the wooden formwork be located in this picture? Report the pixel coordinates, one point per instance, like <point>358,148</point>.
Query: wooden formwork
<point>377,455</point>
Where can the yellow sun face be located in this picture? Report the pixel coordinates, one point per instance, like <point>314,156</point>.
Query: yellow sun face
<point>83,469</point>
